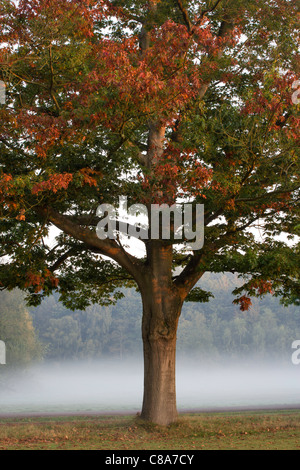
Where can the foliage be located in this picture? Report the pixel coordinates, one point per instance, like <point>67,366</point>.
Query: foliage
<point>17,331</point>
<point>92,85</point>
<point>162,102</point>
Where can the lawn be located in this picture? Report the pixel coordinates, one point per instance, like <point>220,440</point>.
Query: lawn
<point>269,430</point>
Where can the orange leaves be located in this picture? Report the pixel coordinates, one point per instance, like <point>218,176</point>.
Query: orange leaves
<point>7,193</point>
<point>38,280</point>
<point>57,15</point>
<point>4,183</point>
<point>58,182</point>
<point>279,203</point>
<point>55,183</point>
<point>230,204</point>
<point>87,178</point>
<point>159,83</point>
<point>177,174</point>
<point>257,287</point>
<point>21,215</point>
<point>42,131</point>
<point>244,302</point>
<point>111,84</point>
<point>262,287</point>
<point>273,98</point>
<point>35,280</point>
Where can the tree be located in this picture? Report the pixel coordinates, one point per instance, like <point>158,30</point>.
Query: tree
<point>161,102</point>
<point>17,332</point>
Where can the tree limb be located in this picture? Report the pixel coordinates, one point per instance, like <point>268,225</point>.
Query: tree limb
<point>73,251</point>
<point>185,16</point>
<point>105,247</point>
<point>209,10</point>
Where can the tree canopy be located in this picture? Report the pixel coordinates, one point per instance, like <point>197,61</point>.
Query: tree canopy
<point>82,88</point>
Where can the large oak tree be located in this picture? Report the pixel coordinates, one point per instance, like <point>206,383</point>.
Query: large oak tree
<point>161,101</point>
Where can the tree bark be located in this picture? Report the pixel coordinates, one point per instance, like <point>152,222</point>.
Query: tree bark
<point>159,402</point>
<point>159,330</point>
<point>161,310</point>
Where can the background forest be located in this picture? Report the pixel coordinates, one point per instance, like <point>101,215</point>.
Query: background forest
<point>212,330</point>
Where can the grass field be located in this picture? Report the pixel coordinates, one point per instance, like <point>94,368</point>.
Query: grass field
<point>274,430</point>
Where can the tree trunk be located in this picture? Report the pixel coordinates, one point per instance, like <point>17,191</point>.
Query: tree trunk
<point>161,310</point>
<point>159,403</point>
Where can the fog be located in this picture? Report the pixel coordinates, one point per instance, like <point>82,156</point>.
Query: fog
<point>112,386</point>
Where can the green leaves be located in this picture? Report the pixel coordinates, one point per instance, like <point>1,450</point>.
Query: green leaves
<point>198,295</point>
<point>88,81</point>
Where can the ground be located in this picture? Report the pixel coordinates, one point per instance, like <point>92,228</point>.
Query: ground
<point>261,430</point>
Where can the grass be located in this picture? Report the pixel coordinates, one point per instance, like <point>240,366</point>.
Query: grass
<point>272,430</point>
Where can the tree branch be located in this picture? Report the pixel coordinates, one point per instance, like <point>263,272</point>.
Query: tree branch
<point>10,146</point>
<point>209,10</point>
<point>105,247</point>
<point>265,195</point>
<point>73,251</point>
<point>185,16</point>
<point>189,276</point>
<point>92,221</point>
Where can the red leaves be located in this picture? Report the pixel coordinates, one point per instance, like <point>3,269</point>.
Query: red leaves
<point>159,83</point>
<point>244,302</point>
<point>7,198</point>
<point>257,287</point>
<point>58,182</point>
<point>38,280</point>
<point>41,130</point>
<point>113,87</point>
<point>4,183</point>
<point>35,280</point>
<point>177,174</point>
<point>56,15</point>
<point>21,215</point>
<point>273,98</point>
<point>55,183</point>
<point>261,286</point>
<point>12,189</point>
<point>87,178</point>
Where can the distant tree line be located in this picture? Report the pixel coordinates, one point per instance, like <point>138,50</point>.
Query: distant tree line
<point>17,331</point>
<point>214,329</point>
<point>220,329</point>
